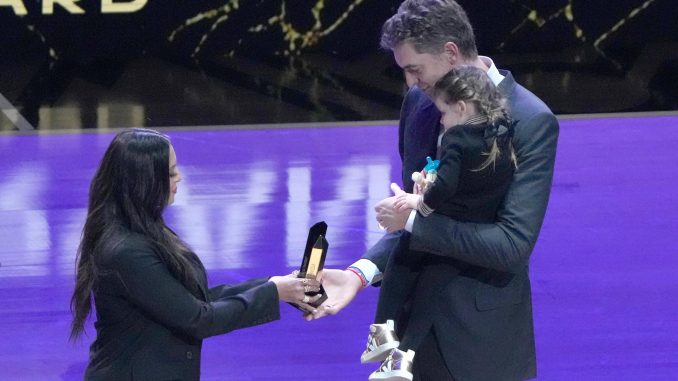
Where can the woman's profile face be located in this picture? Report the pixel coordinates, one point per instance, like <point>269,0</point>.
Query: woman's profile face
<point>175,175</point>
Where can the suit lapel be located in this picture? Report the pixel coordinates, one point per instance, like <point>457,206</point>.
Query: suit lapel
<point>200,277</point>
<point>421,135</point>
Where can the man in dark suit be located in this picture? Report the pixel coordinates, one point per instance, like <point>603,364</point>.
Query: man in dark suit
<point>479,326</point>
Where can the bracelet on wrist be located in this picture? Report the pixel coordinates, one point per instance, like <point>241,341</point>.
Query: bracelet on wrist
<point>359,274</point>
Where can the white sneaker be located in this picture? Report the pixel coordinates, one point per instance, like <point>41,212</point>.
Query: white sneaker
<point>381,340</point>
<point>396,367</point>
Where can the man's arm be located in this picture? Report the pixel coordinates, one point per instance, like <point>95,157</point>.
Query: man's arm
<point>507,244</point>
<point>381,251</point>
<point>343,285</point>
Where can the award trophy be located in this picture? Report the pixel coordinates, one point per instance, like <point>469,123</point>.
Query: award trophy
<point>314,258</point>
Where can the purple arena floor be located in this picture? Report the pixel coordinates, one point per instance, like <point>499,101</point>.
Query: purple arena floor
<point>604,272</point>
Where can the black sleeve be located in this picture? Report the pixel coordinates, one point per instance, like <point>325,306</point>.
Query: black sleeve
<point>227,290</point>
<point>380,251</point>
<point>449,170</point>
<point>153,289</point>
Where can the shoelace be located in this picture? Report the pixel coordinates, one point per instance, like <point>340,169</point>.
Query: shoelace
<point>389,363</point>
<point>371,342</point>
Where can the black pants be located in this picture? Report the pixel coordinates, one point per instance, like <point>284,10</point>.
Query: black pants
<point>429,364</point>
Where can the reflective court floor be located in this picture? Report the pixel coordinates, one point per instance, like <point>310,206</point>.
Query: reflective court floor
<point>603,271</point>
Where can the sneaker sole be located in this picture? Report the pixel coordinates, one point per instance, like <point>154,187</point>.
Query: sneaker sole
<point>379,353</point>
<point>394,375</point>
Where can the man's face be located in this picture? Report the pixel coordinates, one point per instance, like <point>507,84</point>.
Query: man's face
<point>421,69</point>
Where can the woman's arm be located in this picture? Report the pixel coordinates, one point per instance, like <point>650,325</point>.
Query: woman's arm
<point>156,292</point>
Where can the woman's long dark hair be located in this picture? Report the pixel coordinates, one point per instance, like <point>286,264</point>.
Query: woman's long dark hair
<point>128,195</point>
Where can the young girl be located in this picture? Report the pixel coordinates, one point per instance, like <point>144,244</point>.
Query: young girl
<point>476,167</point>
<point>477,158</point>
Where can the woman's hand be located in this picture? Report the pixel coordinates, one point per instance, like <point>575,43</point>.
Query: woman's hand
<point>293,290</point>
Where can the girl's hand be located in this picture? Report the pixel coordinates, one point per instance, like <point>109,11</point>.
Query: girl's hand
<point>406,201</point>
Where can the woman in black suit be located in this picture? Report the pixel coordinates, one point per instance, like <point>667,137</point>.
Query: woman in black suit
<point>150,292</point>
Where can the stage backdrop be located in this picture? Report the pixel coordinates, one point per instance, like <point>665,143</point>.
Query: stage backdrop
<point>172,63</point>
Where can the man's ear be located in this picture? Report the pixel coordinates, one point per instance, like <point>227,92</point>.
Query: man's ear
<point>451,53</point>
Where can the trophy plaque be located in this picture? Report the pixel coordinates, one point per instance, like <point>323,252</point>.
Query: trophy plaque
<point>314,258</point>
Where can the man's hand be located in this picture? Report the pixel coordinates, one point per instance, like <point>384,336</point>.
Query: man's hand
<point>341,287</point>
<point>388,216</point>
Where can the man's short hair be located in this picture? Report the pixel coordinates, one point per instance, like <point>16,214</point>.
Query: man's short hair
<point>428,25</point>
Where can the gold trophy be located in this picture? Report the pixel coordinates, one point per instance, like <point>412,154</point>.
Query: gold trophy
<point>314,258</point>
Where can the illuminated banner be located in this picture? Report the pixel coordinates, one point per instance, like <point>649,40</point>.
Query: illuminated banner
<point>71,6</point>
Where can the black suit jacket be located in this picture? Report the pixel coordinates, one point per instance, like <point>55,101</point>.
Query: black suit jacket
<point>482,314</point>
<point>150,326</point>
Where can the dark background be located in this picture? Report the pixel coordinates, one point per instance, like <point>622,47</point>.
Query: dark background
<point>188,63</point>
